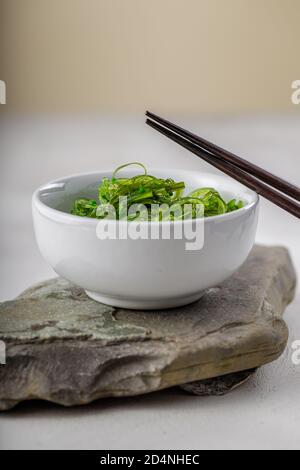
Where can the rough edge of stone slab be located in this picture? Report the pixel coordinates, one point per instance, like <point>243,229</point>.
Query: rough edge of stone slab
<point>217,386</point>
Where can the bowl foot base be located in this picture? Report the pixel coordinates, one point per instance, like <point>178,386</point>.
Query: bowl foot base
<point>144,304</point>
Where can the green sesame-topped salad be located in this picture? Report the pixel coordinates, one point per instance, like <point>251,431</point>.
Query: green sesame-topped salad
<point>146,197</point>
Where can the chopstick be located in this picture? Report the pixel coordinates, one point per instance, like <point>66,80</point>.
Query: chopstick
<point>231,170</point>
<point>264,175</point>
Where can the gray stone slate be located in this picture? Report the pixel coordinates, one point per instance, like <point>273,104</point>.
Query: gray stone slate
<point>66,348</point>
<point>218,386</point>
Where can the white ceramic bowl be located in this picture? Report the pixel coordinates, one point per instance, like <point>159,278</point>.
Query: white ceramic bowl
<point>143,273</point>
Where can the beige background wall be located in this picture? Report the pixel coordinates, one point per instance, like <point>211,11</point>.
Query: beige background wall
<point>173,55</point>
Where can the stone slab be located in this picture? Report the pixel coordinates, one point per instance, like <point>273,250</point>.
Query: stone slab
<point>66,348</point>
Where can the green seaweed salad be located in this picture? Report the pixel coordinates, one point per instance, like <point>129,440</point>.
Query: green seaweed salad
<point>146,192</point>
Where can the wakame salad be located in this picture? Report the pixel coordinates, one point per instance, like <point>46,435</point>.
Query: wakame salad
<point>151,198</point>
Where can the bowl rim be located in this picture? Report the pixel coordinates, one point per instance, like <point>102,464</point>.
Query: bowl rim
<point>58,215</point>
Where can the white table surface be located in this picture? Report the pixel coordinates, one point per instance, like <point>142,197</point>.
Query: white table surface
<point>264,413</point>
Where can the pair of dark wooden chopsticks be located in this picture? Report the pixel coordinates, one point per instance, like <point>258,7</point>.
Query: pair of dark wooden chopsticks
<point>273,188</point>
